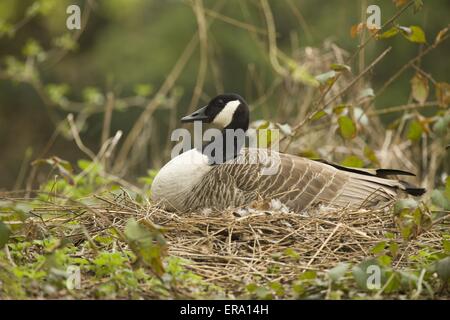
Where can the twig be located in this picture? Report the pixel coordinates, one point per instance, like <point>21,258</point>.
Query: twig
<point>409,64</point>
<point>154,103</point>
<point>362,46</point>
<point>426,75</point>
<point>324,244</point>
<point>234,22</point>
<point>203,37</point>
<point>366,70</point>
<point>410,106</point>
<point>23,168</point>
<point>60,54</point>
<point>76,137</point>
<point>109,106</point>
<point>273,49</point>
<point>355,80</point>
<point>301,19</point>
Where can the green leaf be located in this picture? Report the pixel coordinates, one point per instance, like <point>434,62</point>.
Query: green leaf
<point>266,137</point>
<point>394,284</point>
<point>442,125</point>
<point>414,34</point>
<point>143,90</point>
<point>263,293</point>
<point>33,9</point>
<point>418,5</point>
<point>439,199</point>
<point>393,248</point>
<point>291,253</point>
<point>402,204</point>
<point>301,74</point>
<point>277,287</point>
<point>6,29</point>
<point>419,88</point>
<point>264,125</point>
<point>338,271</point>
<point>308,275</point>
<point>340,67</point>
<point>385,260</point>
<point>447,188</point>
<point>147,242</point>
<point>446,245</point>
<point>389,235</point>
<point>379,247</point>
<point>84,164</point>
<point>352,161</point>
<point>361,274</point>
<point>57,92</point>
<point>40,7</point>
<point>414,131</point>
<point>93,95</point>
<point>389,33</point>
<point>370,154</point>
<point>347,127</point>
<point>251,287</point>
<point>5,232</point>
<point>66,42</point>
<point>318,115</point>
<point>339,109</point>
<point>135,232</point>
<point>33,49</point>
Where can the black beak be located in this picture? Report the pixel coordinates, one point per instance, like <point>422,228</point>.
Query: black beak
<point>198,115</point>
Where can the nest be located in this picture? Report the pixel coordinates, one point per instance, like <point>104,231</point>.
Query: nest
<point>230,249</point>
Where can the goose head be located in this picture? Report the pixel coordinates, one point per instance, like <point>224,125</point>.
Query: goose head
<point>227,111</point>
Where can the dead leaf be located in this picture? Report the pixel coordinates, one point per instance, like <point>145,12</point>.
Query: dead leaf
<point>420,88</point>
<point>356,29</point>
<point>443,93</point>
<point>399,3</point>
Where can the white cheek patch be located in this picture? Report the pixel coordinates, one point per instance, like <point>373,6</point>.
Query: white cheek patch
<point>224,117</point>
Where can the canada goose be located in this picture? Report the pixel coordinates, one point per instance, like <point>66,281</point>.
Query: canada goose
<point>191,180</point>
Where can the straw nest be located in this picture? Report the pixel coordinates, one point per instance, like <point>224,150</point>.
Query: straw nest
<point>234,247</point>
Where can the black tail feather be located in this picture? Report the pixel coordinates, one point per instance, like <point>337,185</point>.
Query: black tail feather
<point>383,173</point>
<point>413,190</point>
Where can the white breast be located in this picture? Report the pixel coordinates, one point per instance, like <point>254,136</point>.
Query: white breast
<point>176,179</point>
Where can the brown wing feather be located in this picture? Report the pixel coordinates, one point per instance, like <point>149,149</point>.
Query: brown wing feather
<point>298,182</point>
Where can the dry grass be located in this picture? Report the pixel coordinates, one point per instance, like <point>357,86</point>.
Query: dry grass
<point>230,249</point>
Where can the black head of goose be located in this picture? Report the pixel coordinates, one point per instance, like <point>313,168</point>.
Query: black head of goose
<point>230,113</point>
<point>193,180</point>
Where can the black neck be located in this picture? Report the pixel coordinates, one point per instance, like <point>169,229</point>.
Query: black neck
<point>232,141</point>
<point>233,138</point>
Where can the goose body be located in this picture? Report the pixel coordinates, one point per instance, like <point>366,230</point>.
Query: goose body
<point>191,181</point>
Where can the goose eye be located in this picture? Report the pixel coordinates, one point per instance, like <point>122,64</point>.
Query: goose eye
<point>220,102</point>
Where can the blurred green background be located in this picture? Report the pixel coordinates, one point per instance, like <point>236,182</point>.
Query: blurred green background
<point>130,46</point>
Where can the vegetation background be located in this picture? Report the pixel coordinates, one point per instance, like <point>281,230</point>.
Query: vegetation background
<point>128,48</point>
<point>89,111</point>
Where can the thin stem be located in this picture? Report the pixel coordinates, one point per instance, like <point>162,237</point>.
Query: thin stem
<point>203,37</point>
<point>410,106</point>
